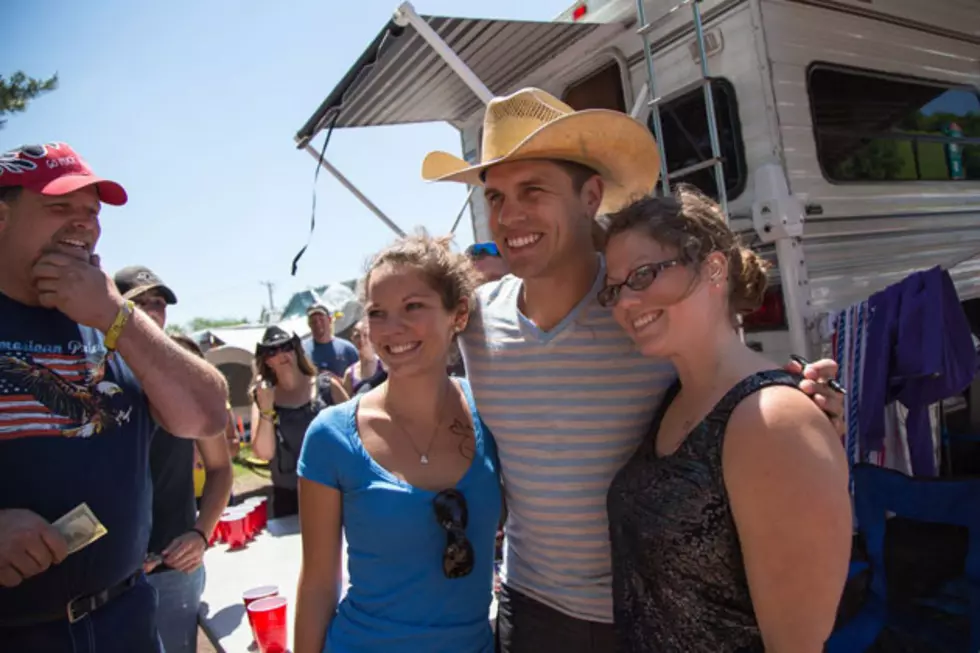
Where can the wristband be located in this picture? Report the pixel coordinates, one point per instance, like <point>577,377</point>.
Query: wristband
<point>201,533</point>
<point>122,319</point>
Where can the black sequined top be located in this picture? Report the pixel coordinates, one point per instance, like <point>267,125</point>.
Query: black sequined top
<point>679,582</point>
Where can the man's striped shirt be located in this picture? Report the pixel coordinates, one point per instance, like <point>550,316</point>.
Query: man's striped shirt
<point>567,408</point>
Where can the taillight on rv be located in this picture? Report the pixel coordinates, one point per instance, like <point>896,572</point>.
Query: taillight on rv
<point>771,316</point>
<point>579,12</point>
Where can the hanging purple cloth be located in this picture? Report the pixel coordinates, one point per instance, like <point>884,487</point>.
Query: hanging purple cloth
<point>919,351</point>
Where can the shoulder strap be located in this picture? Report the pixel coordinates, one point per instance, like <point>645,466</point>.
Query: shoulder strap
<point>747,387</point>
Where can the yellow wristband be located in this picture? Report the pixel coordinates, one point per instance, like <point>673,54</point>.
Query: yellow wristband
<point>122,318</point>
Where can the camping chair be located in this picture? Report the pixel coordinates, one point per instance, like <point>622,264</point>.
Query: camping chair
<point>878,491</point>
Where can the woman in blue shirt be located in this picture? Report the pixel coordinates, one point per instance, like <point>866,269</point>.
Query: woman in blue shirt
<point>409,473</point>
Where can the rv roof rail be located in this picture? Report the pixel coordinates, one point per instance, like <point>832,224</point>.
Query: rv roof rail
<point>646,28</point>
<point>716,161</point>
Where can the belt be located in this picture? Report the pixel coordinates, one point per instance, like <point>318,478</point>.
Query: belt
<point>78,608</point>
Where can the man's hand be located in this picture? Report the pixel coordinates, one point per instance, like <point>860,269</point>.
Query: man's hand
<point>70,280</point>
<point>28,546</point>
<point>185,553</point>
<point>817,375</point>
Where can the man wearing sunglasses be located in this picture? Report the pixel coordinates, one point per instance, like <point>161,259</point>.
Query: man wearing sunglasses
<point>561,386</point>
<point>487,260</point>
<point>180,534</point>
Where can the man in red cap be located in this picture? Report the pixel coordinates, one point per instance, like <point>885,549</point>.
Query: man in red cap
<point>83,378</point>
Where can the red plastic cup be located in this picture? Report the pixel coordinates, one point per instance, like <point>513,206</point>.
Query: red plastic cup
<point>234,530</point>
<point>269,623</point>
<point>262,508</point>
<point>256,593</point>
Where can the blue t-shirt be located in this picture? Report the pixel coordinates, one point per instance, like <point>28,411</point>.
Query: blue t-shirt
<point>71,431</point>
<point>334,356</point>
<point>399,599</point>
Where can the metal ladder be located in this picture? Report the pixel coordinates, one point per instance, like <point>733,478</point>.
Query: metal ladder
<point>655,100</point>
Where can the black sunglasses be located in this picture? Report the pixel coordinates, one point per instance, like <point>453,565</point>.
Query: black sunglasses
<point>269,352</point>
<point>452,515</point>
<point>477,250</point>
<point>637,280</point>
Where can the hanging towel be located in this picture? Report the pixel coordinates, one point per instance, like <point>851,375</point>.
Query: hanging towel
<point>919,351</point>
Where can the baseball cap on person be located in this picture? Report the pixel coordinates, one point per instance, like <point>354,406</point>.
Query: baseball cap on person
<point>55,169</point>
<point>320,308</point>
<point>135,280</point>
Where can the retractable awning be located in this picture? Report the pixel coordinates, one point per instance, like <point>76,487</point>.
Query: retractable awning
<point>406,76</point>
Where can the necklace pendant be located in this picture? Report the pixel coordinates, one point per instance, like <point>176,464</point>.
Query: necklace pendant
<point>424,459</point>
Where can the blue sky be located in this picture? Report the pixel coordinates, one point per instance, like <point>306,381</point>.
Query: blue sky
<point>192,106</point>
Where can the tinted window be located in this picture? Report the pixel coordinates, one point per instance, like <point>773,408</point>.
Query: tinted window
<point>871,127</point>
<point>687,143</point>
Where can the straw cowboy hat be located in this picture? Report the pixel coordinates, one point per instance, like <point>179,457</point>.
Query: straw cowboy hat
<point>531,124</point>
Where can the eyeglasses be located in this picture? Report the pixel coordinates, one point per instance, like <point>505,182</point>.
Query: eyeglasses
<point>452,515</point>
<point>476,250</point>
<point>637,280</point>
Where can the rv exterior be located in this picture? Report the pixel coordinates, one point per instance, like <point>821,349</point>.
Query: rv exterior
<point>849,130</point>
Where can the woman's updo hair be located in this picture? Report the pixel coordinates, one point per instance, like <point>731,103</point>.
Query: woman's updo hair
<point>693,225</point>
<point>447,272</point>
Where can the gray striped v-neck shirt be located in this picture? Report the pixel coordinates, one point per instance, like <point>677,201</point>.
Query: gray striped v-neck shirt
<point>567,408</point>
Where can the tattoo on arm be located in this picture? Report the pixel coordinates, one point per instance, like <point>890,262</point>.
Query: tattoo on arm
<point>467,438</point>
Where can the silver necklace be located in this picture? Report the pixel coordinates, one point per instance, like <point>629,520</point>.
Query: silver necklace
<point>423,455</point>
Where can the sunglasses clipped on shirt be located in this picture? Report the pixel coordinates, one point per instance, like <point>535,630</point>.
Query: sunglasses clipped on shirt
<point>453,515</point>
<point>638,280</point>
<point>479,250</point>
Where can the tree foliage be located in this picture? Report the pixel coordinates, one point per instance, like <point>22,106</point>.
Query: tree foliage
<point>201,323</point>
<point>17,91</point>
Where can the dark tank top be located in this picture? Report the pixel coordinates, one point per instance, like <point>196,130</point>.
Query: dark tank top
<point>679,583</point>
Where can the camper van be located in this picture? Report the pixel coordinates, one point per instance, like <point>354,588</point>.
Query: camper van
<point>846,132</point>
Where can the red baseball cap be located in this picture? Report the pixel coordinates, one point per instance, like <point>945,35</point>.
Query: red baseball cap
<point>55,169</point>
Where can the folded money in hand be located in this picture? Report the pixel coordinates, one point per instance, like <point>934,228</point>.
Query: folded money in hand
<point>80,527</point>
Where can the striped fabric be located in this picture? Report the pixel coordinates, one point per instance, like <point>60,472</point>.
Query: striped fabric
<point>567,408</point>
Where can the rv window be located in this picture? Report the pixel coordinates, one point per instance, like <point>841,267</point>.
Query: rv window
<point>602,89</point>
<point>874,127</point>
<point>686,139</point>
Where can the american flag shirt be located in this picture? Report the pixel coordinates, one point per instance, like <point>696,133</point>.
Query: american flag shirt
<point>74,427</point>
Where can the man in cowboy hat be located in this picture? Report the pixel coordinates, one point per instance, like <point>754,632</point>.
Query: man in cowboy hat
<point>565,417</point>
<point>81,374</point>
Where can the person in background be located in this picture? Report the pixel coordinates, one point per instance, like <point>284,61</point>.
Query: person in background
<point>328,352</point>
<point>84,378</point>
<point>180,534</point>
<point>233,436</point>
<point>487,261</point>
<point>731,524</point>
<point>287,394</point>
<point>368,372</point>
<point>409,473</point>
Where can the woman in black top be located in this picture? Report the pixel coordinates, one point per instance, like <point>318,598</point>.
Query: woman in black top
<point>286,395</point>
<point>731,525</point>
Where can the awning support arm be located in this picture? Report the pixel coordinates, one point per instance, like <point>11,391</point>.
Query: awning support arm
<point>405,15</point>
<point>354,190</point>
<point>462,209</point>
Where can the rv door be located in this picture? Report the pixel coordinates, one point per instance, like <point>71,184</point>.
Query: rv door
<point>435,69</point>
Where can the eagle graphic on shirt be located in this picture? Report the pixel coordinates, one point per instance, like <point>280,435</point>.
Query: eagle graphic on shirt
<point>48,394</point>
